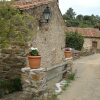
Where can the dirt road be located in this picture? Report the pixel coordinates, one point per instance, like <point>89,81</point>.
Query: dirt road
<point>86,86</point>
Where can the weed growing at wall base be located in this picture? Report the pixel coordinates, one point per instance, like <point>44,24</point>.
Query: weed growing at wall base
<point>9,86</point>
<point>69,79</point>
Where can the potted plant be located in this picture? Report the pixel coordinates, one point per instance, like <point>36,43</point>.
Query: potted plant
<point>68,52</point>
<point>34,58</point>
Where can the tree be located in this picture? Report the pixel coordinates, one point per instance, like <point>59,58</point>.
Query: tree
<point>69,17</point>
<point>74,40</point>
<point>14,26</point>
<point>81,21</point>
<point>79,17</point>
<point>73,23</point>
<point>70,14</point>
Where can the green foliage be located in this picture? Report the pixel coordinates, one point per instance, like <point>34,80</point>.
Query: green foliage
<point>72,22</point>
<point>74,40</point>
<point>14,26</point>
<point>81,20</point>
<point>70,14</point>
<point>34,52</point>
<point>9,86</point>
<point>16,84</point>
<point>71,76</point>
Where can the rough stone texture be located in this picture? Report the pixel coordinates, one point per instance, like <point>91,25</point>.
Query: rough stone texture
<point>59,73</point>
<point>34,82</point>
<point>87,83</point>
<point>88,43</point>
<point>50,37</point>
<point>36,85</point>
<point>11,62</point>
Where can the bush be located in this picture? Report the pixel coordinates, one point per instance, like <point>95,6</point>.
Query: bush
<point>9,86</point>
<point>74,40</point>
<point>15,26</point>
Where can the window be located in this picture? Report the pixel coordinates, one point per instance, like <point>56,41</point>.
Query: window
<point>94,44</point>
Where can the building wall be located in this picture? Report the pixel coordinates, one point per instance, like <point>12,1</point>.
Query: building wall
<point>11,62</point>
<point>88,43</point>
<point>86,32</point>
<point>50,38</point>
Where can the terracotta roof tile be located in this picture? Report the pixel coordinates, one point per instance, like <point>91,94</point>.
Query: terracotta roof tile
<point>87,32</point>
<point>26,4</point>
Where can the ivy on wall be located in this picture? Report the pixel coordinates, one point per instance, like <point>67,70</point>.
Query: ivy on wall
<point>15,26</point>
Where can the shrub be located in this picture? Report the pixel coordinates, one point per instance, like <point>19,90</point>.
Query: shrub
<point>15,27</point>
<point>74,40</point>
<point>9,86</point>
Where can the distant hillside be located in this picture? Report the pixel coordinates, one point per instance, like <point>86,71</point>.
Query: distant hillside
<point>73,20</point>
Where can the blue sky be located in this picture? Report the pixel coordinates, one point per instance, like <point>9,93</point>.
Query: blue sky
<point>84,7</point>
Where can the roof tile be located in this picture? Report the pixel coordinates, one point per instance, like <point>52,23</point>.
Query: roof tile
<point>26,4</point>
<point>87,32</point>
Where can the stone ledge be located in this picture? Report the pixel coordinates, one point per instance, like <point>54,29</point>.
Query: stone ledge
<point>28,69</point>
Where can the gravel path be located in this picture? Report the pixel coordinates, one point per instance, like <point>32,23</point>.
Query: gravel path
<point>87,83</point>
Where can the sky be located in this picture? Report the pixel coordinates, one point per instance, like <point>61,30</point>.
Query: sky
<point>84,7</point>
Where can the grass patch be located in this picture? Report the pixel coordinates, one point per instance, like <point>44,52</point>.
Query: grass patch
<point>69,78</point>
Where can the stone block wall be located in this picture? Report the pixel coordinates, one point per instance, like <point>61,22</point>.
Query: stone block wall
<point>11,62</point>
<point>50,37</point>
<point>34,82</point>
<point>88,43</point>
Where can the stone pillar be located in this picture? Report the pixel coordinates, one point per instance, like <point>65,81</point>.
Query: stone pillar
<point>34,83</point>
<point>68,67</point>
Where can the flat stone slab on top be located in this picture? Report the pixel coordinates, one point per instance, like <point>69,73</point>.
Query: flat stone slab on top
<point>28,69</point>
